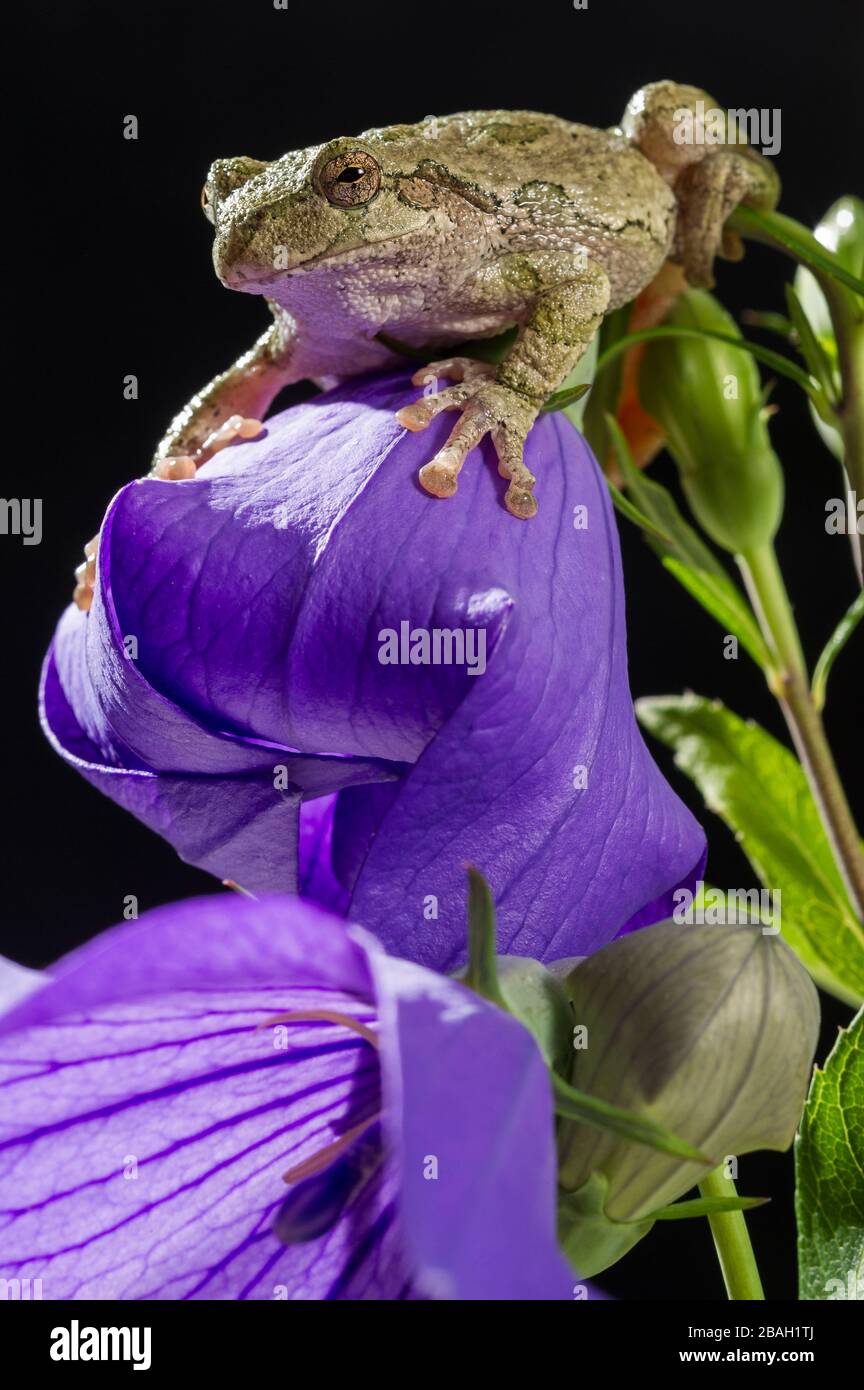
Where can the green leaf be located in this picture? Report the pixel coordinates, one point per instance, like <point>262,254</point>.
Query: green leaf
<point>829,1175</point>
<point>779,230</point>
<point>758,788</point>
<point>578,1105</point>
<point>723,600</point>
<point>590,1239</point>
<point>538,999</point>
<point>582,375</point>
<point>482,972</point>
<point>818,362</point>
<point>841,232</point>
<point>658,504</point>
<point>559,400</point>
<point>705,1206</point>
<point>606,388</point>
<point>626,508</point>
<point>683,552</point>
<point>768,320</point>
<point>834,646</point>
<point>776,360</point>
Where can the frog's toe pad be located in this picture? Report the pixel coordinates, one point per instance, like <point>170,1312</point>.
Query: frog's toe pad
<point>234,428</point>
<point>418,414</point>
<point>454,369</point>
<point>85,576</point>
<point>176,468</point>
<point>520,501</point>
<point>440,477</point>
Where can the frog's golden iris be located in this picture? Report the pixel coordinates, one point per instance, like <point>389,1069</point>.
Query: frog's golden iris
<point>350,179</point>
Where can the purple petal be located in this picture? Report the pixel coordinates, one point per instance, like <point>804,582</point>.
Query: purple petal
<point>256,594</point>
<point>148,1118</point>
<point>151,1116</point>
<point>16,982</point>
<point>317,879</point>
<point>473,1132</point>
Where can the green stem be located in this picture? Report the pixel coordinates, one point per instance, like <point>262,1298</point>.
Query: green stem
<point>789,683</point>
<point>847,318</point>
<point>850,412</point>
<point>732,1242</point>
<point>794,239</point>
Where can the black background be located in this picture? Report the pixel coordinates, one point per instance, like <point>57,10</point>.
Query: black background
<point>110,262</point>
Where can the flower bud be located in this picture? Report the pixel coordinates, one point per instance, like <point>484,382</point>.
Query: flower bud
<point>710,1032</point>
<point>707,397</point>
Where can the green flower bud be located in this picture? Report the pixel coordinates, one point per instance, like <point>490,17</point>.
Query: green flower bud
<point>707,397</point>
<point>841,231</point>
<point>708,1031</point>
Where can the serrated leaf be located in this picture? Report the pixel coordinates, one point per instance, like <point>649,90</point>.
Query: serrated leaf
<point>758,788</point>
<point>829,1175</point>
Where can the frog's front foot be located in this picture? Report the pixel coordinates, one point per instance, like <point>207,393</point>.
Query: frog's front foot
<point>487,408</point>
<point>171,468</point>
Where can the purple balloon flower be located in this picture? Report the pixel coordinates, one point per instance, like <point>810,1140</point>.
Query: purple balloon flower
<point>264,679</point>
<point>168,1075</point>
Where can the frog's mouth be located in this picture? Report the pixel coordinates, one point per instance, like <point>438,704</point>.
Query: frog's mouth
<point>255,279</point>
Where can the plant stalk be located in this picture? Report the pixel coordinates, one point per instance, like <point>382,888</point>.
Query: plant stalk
<point>732,1243</point>
<point>847,317</point>
<point>790,684</point>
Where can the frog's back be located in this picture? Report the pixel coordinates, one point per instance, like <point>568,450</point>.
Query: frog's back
<point>551,180</point>
<point>502,152</point>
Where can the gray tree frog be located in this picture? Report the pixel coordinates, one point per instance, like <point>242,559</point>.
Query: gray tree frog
<point>457,228</point>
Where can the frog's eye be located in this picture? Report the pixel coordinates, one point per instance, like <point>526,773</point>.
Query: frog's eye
<point>350,179</point>
<point>207,206</point>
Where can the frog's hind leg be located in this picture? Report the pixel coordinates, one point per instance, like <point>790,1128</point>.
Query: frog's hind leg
<point>707,193</point>
<point>695,146</point>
